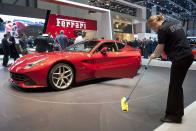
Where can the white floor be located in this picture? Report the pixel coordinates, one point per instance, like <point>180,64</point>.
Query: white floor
<point>157,62</point>
<point>188,123</point>
<point>189,119</point>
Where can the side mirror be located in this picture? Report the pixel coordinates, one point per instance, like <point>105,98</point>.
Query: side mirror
<point>104,51</point>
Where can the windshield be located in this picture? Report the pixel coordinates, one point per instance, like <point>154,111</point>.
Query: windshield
<point>194,47</point>
<point>84,46</point>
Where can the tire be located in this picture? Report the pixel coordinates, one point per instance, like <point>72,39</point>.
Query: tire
<point>61,76</point>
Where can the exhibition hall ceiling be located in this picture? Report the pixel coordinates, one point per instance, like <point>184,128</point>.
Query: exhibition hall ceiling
<point>179,9</point>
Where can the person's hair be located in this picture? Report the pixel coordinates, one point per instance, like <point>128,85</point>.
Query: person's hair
<point>79,33</point>
<point>155,18</point>
<point>5,35</point>
<point>62,32</point>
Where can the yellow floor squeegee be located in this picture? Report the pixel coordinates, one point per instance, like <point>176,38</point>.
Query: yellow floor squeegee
<point>125,99</point>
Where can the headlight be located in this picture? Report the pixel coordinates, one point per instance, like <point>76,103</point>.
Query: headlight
<point>32,64</point>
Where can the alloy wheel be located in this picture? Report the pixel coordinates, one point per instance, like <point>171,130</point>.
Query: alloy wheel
<point>62,76</point>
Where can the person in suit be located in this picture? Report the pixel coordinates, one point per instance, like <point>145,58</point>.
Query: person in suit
<point>135,43</point>
<point>13,51</point>
<point>150,46</point>
<point>6,50</point>
<point>41,43</point>
<point>50,42</point>
<point>145,48</point>
<point>23,44</point>
<point>62,40</point>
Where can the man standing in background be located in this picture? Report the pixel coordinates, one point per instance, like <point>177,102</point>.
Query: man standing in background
<point>6,51</point>
<point>41,43</point>
<point>145,48</point>
<point>150,46</point>
<point>135,43</point>
<point>50,42</point>
<point>62,40</point>
<point>13,51</point>
<point>80,38</point>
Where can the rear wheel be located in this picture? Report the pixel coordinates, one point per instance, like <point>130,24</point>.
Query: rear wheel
<point>61,76</point>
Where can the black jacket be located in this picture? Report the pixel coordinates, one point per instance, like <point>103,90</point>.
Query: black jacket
<point>5,46</point>
<point>13,50</point>
<point>42,44</point>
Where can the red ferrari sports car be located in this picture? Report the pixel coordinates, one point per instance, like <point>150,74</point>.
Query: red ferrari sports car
<point>79,62</point>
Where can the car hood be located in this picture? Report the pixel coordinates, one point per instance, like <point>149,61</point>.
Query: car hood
<point>54,56</point>
<point>27,59</point>
<point>49,57</point>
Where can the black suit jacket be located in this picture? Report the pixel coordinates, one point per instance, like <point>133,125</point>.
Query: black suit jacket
<point>13,50</point>
<point>5,46</point>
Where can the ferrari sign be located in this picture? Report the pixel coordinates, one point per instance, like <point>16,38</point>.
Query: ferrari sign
<point>69,24</point>
<point>65,23</point>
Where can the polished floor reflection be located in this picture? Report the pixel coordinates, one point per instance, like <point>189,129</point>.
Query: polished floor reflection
<point>92,106</point>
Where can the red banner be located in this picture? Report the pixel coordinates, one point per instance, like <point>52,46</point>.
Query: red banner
<point>70,25</point>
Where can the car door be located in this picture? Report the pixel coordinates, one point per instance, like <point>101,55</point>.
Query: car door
<point>114,64</point>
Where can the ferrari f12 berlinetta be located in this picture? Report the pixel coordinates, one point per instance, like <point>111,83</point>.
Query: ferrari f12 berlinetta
<point>79,62</point>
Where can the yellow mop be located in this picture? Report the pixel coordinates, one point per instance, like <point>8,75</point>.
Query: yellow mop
<point>125,99</point>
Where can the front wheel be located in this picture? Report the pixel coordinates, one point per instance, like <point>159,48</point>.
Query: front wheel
<point>61,76</point>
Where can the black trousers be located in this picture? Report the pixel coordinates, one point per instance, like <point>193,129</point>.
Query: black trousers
<point>5,59</point>
<point>175,101</point>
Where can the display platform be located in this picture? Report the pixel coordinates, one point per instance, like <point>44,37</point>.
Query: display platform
<point>90,106</point>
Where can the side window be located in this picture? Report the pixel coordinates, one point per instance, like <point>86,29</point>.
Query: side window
<point>111,47</point>
<point>120,45</point>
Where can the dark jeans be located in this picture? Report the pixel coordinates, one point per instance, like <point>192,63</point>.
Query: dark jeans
<point>175,101</point>
<point>146,53</point>
<point>5,60</point>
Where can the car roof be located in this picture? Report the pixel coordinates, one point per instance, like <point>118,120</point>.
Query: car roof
<point>103,40</point>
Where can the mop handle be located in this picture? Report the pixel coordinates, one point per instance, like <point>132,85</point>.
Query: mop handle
<point>146,67</point>
<point>142,74</point>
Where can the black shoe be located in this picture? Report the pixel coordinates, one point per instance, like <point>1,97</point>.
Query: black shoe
<point>171,119</point>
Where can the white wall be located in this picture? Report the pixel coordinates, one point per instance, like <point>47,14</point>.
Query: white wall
<point>19,2</point>
<point>141,36</point>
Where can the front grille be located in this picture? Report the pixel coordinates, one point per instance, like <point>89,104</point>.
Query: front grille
<point>18,77</point>
<point>29,82</point>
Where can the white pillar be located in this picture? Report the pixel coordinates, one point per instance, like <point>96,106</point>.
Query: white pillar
<point>154,10</point>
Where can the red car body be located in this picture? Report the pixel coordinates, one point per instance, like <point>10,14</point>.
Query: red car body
<point>87,65</point>
<point>194,53</point>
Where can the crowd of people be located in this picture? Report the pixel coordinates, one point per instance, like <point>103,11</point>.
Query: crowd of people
<point>42,43</point>
<point>46,42</point>
<point>147,46</point>
<point>9,48</point>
